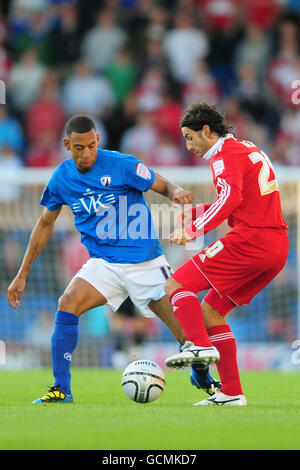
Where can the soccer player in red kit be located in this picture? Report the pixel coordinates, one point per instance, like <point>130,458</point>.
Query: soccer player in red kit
<point>234,268</point>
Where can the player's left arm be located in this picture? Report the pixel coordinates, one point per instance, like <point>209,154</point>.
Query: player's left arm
<point>174,192</point>
<point>228,173</point>
<point>228,176</point>
<point>229,197</point>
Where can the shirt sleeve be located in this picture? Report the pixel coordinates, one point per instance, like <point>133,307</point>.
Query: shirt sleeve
<point>199,210</point>
<point>138,175</point>
<point>50,197</point>
<point>228,179</point>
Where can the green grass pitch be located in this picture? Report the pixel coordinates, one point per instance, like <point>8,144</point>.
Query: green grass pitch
<point>103,418</point>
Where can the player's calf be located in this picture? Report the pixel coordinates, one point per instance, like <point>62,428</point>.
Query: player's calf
<point>202,379</point>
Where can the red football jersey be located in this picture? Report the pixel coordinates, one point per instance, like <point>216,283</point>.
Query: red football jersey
<point>247,190</point>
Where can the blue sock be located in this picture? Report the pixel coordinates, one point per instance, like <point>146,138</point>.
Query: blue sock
<point>203,376</point>
<point>63,342</point>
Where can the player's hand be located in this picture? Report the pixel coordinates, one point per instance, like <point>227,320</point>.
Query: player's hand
<point>180,237</point>
<point>184,217</point>
<point>15,291</point>
<point>181,197</point>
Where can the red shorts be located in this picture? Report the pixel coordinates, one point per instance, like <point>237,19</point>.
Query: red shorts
<point>236,267</point>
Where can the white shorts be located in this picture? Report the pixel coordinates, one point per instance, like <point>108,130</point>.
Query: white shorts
<point>142,282</point>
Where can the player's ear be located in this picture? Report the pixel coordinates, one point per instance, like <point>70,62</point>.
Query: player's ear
<point>206,130</point>
<point>98,138</point>
<point>66,144</point>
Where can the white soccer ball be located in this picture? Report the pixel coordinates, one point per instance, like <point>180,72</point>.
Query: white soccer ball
<point>143,381</point>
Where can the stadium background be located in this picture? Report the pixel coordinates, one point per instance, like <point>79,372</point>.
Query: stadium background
<point>133,66</point>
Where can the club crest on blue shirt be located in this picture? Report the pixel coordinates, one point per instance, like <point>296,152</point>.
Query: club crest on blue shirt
<point>105,180</point>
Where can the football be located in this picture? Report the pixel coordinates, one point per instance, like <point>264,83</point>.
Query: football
<point>143,381</point>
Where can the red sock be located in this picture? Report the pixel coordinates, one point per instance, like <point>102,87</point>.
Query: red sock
<point>188,310</point>
<point>222,338</point>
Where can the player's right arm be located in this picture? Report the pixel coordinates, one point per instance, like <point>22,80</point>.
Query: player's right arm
<point>38,239</point>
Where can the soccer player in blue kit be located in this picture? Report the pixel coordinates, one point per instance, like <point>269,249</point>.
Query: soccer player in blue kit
<point>104,190</point>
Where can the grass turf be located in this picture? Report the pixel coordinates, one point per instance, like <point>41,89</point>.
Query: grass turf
<point>102,417</point>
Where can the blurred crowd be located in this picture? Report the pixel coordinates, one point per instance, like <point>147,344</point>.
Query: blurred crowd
<point>134,65</point>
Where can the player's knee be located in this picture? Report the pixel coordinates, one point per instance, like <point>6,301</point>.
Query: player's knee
<point>210,316</point>
<point>171,285</point>
<point>68,303</point>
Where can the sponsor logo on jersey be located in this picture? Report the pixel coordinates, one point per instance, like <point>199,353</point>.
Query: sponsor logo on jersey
<point>142,171</point>
<point>218,167</point>
<point>93,203</point>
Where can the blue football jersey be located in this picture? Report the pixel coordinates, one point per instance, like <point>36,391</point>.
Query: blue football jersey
<point>109,207</point>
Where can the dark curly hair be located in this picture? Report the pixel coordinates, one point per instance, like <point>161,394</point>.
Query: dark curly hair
<point>198,114</point>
